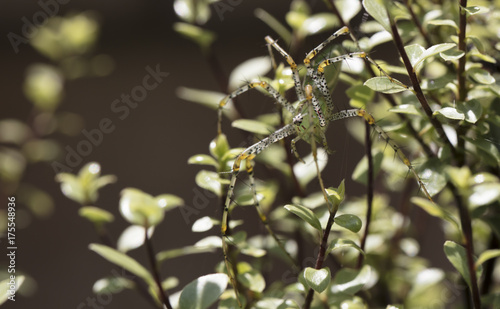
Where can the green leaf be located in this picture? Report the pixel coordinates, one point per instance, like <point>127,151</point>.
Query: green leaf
<point>140,208</point>
<point>5,287</point>
<point>471,109</point>
<point>318,23</point>
<point>168,201</point>
<point>409,109</point>
<point>252,126</point>
<point>360,95</point>
<point>219,146</point>
<point>486,255</point>
<point>96,215</point>
<point>121,259</point>
<point>484,194</point>
<point>418,54</point>
<point>274,24</point>
<point>377,9</point>
<point>202,224</point>
<point>360,173</point>
<point>384,84</point>
<point>340,243</point>
<point>317,279</point>
<point>252,279</point>
<point>452,54</point>
<point>304,172</point>
<point>203,292</point>
<point>450,113</point>
<point>443,22</point>
<point>305,214</point>
<point>203,159</point>
<point>481,76</point>
<point>210,99</point>
<point>350,281</point>
<point>192,11</point>
<point>111,285</point>
<point>472,10</point>
<point>132,237</point>
<point>350,222</point>
<point>210,181</point>
<point>348,9</point>
<point>204,38</point>
<point>489,151</point>
<point>457,256</point>
<point>434,210</point>
<point>275,303</point>
<point>162,256</point>
<point>248,70</point>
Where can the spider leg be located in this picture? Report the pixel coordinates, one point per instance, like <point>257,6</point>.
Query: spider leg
<point>295,72</point>
<point>273,92</point>
<point>371,121</point>
<point>248,154</point>
<point>397,150</point>
<point>262,215</point>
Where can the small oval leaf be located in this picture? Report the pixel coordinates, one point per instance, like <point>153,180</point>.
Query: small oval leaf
<point>317,279</point>
<point>305,214</point>
<point>350,222</point>
<point>203,292</point>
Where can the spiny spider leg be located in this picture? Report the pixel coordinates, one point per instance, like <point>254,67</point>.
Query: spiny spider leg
<point>277,96</point>
<point>249,154</point>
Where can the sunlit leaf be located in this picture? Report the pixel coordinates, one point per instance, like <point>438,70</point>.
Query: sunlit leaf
<point>341,243</point>
<point>96,215</point>
<point>5,287</point>
<point>249,70</point>
<point>305,214</point>
<point>204,38</point>
<point>384,84</point>
<point>481,76</point>
<point>486,255</point>
<point>457,256</point>
<point>132,237</point>
<point>252,126</point>
<point>434,210</point>
<point>304,172</point>
<point>350,281</point>
<point>350,222</point>
<point>203,292</point>
<point>274,24</point>
<point>450,113</point>
<point>121,259</point>
<point>317,279</point>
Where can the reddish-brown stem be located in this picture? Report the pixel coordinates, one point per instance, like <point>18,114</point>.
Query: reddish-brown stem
<point>418,91</point>
<point>154,269</point>
<point>321,256</point>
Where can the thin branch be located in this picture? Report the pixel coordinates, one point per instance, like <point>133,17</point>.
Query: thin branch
<point>388,97</point>
<point>369,189</point>
<point>465,222</point>
<point>321,256</point>
<point>418,24</point>
<point>418,91</point>
<point>154,268</point>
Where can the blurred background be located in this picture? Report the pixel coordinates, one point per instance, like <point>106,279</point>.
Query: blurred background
<point>47,108</point>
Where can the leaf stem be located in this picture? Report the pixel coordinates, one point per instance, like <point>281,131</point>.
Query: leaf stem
<point>154,268</point>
